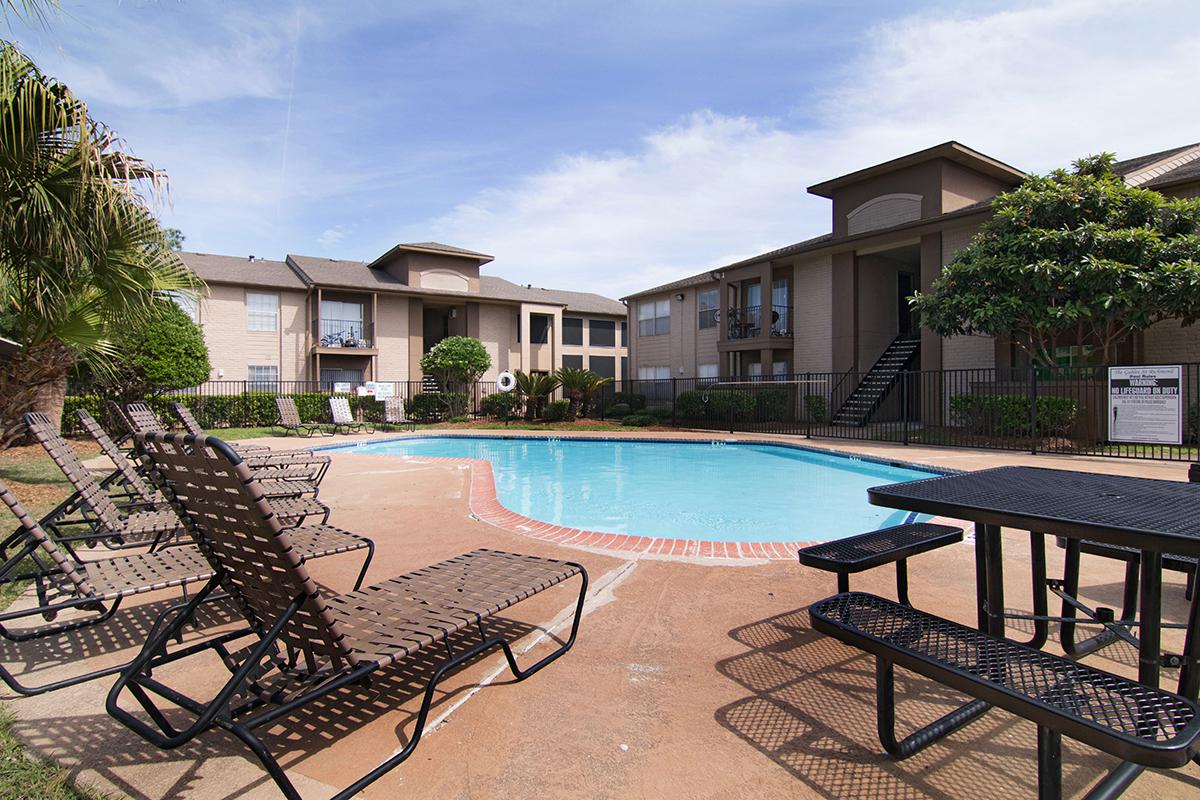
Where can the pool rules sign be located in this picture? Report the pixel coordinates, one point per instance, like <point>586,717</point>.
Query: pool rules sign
<point>1145,405</point>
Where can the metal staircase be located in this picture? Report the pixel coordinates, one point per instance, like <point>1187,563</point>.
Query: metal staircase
<point>876,384</point>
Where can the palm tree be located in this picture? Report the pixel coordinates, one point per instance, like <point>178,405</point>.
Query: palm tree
<point>81,254</point>
<point>594,385</point>
<point>535,388</point>
<point>574,382</point>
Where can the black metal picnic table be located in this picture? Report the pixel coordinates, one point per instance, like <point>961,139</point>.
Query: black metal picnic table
<point>1153,516</point>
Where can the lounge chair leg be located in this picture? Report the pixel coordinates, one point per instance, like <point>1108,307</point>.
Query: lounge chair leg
<point>902,581</point>
<point>915,742</point>
<point>362,573</point>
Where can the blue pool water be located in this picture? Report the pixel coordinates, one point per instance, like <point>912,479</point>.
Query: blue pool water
<point>683,490</point>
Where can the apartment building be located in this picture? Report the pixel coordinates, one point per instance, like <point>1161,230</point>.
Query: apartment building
<point>329,320</point>
<point>837,302</point>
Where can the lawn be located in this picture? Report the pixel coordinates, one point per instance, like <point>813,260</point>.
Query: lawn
<point>37,483</point>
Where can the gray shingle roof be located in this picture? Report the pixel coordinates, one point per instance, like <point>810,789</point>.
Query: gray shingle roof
<point>446,248</point>
<point>582,302</point>
<point>242,271</point>
<point>1131,165</point>
<point>346,274</point>
<point>1187,172</point>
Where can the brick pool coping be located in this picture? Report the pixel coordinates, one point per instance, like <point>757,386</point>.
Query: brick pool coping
<point>484,504</point>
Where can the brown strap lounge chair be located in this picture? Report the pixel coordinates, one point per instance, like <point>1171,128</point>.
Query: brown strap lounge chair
<point>98,586</point>
<point>289,418</point>
<point>136,485</point>
<point>308,645</point>
<point>109,524</point>
<point>192,425</point>
<point>312,466</point>
<point>393,413</point>
<point>343,419</point>
<point>272,487</point>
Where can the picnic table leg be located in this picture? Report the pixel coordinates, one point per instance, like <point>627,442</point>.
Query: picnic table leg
<point>1037,558</point>
<point>1189,677</point>
<point>1150,631</point>
<point>993,551</point>
<point>980,578</point>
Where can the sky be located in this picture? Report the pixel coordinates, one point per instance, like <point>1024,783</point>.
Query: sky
<point>599,146</point>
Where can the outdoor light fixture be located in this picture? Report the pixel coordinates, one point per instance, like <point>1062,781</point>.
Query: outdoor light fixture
<point>679,296</point>
<point>717,274</point>
<point>453,313</point>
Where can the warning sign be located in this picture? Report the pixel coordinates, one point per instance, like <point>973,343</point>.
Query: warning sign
<point>1145,405</point>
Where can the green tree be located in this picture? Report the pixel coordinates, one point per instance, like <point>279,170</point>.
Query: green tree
<point>81,254</point>
<point>455,363</point>
<point>174,238</point>
<point>579,385</point>
<point>535,388</point>
<point>1076,257</point>
<point>164,354</point>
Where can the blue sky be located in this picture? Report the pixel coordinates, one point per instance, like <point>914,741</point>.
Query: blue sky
<point>604,146</point>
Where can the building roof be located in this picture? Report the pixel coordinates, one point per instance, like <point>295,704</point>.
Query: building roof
<point>317,271</point>
<point>953,151</point>
<point>1183,174</point>
<point>1131,165</point>
<point>583,302</point>
<point>436,248</point>
<point>231,269</point>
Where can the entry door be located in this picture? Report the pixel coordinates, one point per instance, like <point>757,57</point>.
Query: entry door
<point>906,285</point>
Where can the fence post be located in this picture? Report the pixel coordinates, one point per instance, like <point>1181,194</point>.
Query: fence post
<point>1032,409</point>
<point>674,423</point>
<point>904,406</point>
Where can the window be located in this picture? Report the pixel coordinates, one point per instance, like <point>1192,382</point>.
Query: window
<point>603,333</point>
<point>754,369</point>
<point>708,372</point>
<point>624,365</point>
<point>187,302</point>
<point>329,377</point>
<point>654,373</point>
<point>262,311</point>
<point>341,324</point>
<point>624,333</point>
<point>573,362</point>
<point>604,366</point>
<point>539,329</point>
<point>707,302</point>
<point>779,368</point>
<point>262,378</point>
<point>654,318</point>
<point>572,330</point>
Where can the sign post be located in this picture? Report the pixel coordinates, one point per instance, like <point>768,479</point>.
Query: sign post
<point>1145,405</point>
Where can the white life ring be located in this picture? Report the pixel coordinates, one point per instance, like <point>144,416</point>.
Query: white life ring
<point>506,381</point>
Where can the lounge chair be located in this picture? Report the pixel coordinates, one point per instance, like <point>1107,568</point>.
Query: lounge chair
<point>291,463</point>
<point>272,487</point>
<point>191,425</point>
<point>309,646</point>
<point>289,419</point>
<point>98,586</point>
<point>108,524</point>
<point>393,413</point>
<point>343,420</point>
<point>136,486</point>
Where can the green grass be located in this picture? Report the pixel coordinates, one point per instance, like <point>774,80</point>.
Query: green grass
<point>21,775</point>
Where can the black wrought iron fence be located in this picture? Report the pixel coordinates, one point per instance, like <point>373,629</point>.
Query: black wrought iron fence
<point>1062,410</point>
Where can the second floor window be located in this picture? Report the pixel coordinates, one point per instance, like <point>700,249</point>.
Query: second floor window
<point>188,303</point>
<point>262,311</point>
<point>572,330</point>
<point>603,333</point>
<point>654,318</point>
<point>707,303</point>
<point>539,329</point>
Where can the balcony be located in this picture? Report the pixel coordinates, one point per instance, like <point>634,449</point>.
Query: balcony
<point>747,322</point>
<point>344,334</point>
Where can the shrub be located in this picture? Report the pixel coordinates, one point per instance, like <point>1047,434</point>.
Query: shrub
<point>617,410</point>
<point>640,420</point>
<point>1008,415</point>
<point>499,404</point>
<point>718,404</point>
<point>424,407</point>
<point>636,402</point>
<point>815,407</point>
<point>556,411</point>
<point>460,419</point>
<point>773,403</point>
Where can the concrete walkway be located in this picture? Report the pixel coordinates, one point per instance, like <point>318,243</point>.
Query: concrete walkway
<point>691,678</point>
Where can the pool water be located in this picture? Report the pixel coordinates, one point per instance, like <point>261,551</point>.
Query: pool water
<point>710,491</point>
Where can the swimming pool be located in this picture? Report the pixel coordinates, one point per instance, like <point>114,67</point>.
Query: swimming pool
<point>706,491</point>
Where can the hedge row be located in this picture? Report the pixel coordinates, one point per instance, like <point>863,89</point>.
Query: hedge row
<point>1008,415</point>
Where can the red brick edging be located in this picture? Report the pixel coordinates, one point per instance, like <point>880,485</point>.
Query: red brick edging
<point>485,505</point>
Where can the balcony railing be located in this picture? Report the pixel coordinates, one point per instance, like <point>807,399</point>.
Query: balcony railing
<point>747,322</point>
<point>351,333</point>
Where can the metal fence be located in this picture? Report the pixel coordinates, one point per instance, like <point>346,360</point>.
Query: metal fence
<point>1063,410</point>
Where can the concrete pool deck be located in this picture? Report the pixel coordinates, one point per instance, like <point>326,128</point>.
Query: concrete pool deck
<point>691,677</point>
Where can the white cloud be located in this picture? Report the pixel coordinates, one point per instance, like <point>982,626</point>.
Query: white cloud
<point>1033,86</point>
<point>331,237</point>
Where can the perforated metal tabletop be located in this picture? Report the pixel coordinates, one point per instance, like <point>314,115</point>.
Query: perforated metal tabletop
<point>1135,512</point>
